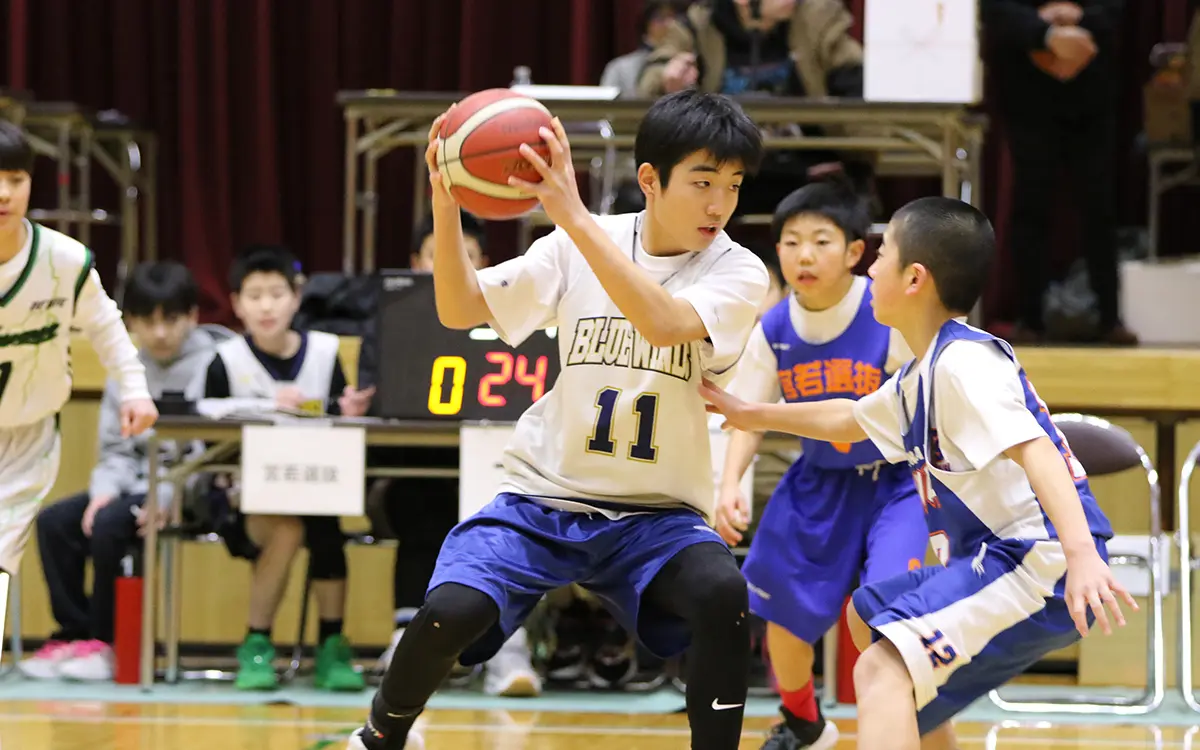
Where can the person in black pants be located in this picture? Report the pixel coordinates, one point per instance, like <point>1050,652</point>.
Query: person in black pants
<point>103,523</point>
<point>1056,86</point>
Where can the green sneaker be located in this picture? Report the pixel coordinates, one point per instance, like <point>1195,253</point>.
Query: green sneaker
<point>334,670</point>
<point>256,668</point>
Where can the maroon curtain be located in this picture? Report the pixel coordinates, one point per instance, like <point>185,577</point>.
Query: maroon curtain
<point>1146,23</point>
<point>241,95</point>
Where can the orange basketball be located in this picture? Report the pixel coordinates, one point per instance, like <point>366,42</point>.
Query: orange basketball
<point>478,152</point>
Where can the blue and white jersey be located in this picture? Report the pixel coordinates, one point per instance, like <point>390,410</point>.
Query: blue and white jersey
<point>952,416</point>
<point>801,355</point>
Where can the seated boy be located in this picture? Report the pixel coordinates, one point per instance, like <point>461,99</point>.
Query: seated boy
<point>1008,507</point>
<point>299,370</point>
<point>840,514</point>
<point>160,311</point>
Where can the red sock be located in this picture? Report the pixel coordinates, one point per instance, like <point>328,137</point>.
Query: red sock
<point>801,703</point>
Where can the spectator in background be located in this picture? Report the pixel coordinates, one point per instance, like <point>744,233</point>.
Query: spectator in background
<point>1056,84</point>
<point>421,511</point>
<point>473,235</point>
<point>160,309</point>
<point>795,48</point>
<point>623,71</point>
<point>296,370</point>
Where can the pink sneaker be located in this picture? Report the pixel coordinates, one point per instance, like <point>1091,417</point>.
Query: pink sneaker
<point>89,661</point>
<point>44,663</point>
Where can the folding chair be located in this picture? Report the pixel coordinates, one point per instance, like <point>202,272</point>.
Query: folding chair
<point>1187,564</point>
<point>1103,449</point>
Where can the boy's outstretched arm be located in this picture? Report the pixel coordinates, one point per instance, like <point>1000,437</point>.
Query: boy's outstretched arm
<point>1090,582</point>
<point>831,420</point>
<point>661,318</point>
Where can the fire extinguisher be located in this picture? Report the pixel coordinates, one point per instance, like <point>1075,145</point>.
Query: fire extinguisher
<point>127,625</point>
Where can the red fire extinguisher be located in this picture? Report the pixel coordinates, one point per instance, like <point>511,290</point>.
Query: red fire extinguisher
<point>127,625</point>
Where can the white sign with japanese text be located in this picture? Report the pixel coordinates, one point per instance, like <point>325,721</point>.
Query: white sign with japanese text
<point>303,470</point>
<point>922,51</point>
<point>480,448</point>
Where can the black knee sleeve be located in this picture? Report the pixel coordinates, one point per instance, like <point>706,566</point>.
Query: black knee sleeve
<point>702,584</point>
<point>706,587</point>
<point>723,599</point>
<point>452,618</point>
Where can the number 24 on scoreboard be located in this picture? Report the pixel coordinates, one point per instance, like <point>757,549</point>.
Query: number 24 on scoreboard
<point>454,368</point>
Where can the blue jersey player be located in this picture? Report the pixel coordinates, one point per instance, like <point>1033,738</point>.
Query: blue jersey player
<point>1008,507</point>
<point>600,484</point>
<point>841,513</point>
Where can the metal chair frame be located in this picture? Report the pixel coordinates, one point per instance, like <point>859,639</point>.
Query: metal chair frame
<point>1155,690</point>
<point>1187,564</point>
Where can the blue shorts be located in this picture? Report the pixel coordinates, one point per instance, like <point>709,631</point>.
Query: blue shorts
<point>825,529</point>
<point>516,549</point>
<point>973,625</point>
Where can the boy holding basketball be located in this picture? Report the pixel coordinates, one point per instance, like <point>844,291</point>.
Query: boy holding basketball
<point>600,486</point>
<point>1020,536</point>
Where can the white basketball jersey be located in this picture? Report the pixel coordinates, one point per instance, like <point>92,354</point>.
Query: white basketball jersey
<point>36,314</point>
<point>624,423</point>
<point>249,379</point>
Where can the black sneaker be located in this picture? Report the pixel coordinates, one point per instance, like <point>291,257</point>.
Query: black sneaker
<point>781,738</point>
<point>568,661</point>
<point>612,663</point>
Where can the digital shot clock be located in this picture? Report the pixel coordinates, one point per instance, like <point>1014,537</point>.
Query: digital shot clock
<point>430,372</point>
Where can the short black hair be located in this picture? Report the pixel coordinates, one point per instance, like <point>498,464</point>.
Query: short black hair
<point>264,259</point>
<point>471,226</point>
<point>953,240</point>
<point>652,9</point>
<point>16,154</point>
<point>680,124</point>
<point>165,286</point>
<point>833,200</point>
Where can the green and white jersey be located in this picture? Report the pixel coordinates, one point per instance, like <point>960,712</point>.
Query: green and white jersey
<point>47,290</point>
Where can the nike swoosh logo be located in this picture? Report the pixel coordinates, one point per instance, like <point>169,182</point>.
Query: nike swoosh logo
<point>718,706</point>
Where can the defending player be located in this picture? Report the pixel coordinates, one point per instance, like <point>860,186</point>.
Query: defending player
<point>49,286</point>
<point>841,513</point>
<point>601,484</point>
<point>1008,507</point>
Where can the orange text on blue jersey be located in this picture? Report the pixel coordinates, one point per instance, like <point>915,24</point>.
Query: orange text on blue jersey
<point>830,377</point>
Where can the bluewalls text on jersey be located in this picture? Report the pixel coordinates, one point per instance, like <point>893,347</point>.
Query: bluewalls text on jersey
<point>30,338</point>
<point>615,343</point>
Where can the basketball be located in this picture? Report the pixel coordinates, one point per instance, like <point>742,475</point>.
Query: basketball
<point>478,152</point>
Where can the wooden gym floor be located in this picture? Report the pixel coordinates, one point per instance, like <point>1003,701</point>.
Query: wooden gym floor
<point>49,725</point>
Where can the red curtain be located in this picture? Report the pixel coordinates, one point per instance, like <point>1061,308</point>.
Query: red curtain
<point>241,94</point>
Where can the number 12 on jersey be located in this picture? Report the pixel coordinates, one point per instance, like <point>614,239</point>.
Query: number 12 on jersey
<point>645,410</point>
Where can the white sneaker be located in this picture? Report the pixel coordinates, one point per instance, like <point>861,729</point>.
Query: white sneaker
<point>91,661</point>
<point>385,660</point>
<point>828,739</point>
<point>510,672</point>
<point>44,663</point>
<point>414,741</point>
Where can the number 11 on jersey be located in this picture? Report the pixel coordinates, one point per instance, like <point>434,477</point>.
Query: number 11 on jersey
<point>645,409</point>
